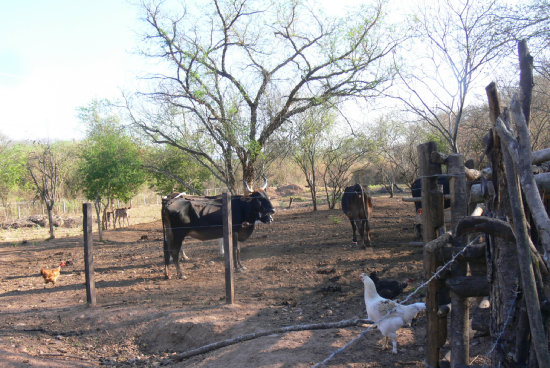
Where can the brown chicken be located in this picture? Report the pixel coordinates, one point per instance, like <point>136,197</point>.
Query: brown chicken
<point>51,275</point>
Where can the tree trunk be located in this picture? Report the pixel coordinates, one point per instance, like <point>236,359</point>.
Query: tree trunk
<point>97,205</point>
<point>248,178</point>
<point>49,206</point>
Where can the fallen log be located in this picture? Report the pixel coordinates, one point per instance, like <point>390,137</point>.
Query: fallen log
<point>255,335</point>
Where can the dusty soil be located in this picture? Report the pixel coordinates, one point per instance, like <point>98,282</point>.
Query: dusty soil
<point>301,269</point>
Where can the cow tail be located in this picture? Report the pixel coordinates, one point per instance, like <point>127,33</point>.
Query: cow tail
<point>164,242</point>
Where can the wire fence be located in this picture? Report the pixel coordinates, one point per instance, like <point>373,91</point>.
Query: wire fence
<point>66,207</point>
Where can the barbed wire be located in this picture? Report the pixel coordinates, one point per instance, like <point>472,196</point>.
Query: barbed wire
<point>508,319</point>
<point>416,290</point>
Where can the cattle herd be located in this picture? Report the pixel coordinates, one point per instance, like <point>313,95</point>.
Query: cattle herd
<point>201,218</point>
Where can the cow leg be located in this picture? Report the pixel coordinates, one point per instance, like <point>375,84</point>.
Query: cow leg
<point>361,229</point>
<point>166,258</point>
<point>237,255</point>
<point>365,233</point>
<point>354,229</point>
<point>172,247</point>
<point>175,257</point>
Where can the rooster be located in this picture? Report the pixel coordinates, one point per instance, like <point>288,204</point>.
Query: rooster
<point>388,315</point>
<point>388,289</point>
<point>51,275</point>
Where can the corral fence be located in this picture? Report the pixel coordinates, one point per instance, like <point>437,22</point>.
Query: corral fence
<point>227,247</point>
<point>506,206</point>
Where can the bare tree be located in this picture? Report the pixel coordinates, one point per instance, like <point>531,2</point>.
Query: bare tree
<point>312,128</point>
<point>394,159</point>
<point>238,70</point>
<point>339,159</point>
<point>460,39</point>
<point>44,169</point>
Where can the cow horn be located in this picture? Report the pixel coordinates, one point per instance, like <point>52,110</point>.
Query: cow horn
<point>248,186</point>
<point>265,183</point>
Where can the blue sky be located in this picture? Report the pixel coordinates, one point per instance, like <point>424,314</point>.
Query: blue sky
<point>58,55</point>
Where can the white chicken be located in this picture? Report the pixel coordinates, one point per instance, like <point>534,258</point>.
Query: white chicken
<point>389,316</point>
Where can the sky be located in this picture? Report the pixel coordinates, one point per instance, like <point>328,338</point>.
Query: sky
<point>59,55</point>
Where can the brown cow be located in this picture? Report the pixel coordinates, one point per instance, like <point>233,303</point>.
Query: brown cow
<point>357,205</point>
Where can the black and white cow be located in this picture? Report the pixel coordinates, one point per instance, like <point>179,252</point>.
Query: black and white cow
<point>201,218</point>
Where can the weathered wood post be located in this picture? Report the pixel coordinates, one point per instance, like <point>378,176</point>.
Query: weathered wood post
<point>228,248</point>
<point>88,254</point>
<point>460,314</point>
<point>432,220</point>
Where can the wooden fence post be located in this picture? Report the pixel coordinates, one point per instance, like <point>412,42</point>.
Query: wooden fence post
<point>88,254</point>
<point>432,220</point>
<point>460,313</point>
<point>228,248</point>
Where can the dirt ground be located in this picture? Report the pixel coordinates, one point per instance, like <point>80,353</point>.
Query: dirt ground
<point>300,269</point>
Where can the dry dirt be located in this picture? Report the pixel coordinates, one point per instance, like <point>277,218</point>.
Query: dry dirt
<point>301,269</point>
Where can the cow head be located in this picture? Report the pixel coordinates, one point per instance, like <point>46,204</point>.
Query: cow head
<point>262,205</point>
<point>262,209</point>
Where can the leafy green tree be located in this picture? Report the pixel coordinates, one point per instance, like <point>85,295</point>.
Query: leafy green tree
<point>173,170</point>
<point>13,169</point>
<point>237,71</point>
<point>110,166</point>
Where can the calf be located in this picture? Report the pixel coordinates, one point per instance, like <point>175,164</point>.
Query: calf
<point>357,205</point>
<point>107,219</point>
<point>121,214</point>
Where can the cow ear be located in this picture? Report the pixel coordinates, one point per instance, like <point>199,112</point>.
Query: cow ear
<point>257,204</point>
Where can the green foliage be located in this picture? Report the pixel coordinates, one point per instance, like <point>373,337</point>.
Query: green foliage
<point>13,161</point>
<point>255,149</point>
<point>169,168</point>
<point>441,142</point>
<point>110,166</point>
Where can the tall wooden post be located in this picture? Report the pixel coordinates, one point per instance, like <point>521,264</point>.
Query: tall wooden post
<point>460,313</point>
<point>228,248</point>
<point>432,219</point>
<point>88,254</point>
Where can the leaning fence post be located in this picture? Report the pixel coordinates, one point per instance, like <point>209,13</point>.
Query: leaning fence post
<point>228,247</point>
<point>88,254</point>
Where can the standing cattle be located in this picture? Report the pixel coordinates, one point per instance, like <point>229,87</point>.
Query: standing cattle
<point>357,205</point>
<point>416,191</point>
<point>201,218</point>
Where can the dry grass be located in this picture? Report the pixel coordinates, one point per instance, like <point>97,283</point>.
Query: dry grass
<point>137,215</point>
